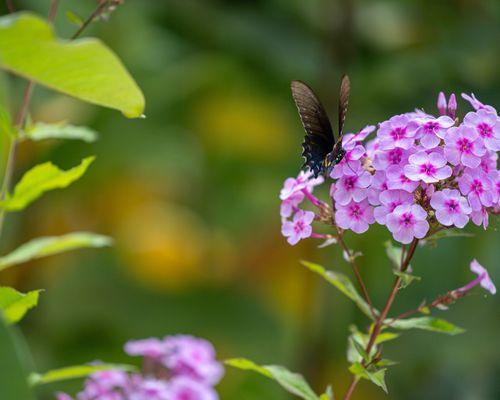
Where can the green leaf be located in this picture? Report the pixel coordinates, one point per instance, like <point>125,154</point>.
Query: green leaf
<point>427,324</point>
<point>406,278</point>
<point>41,131</point>
<point>328,395</point>
<point>73,372</point>
<point>40,179</point>
<point>85,68</point>
<point>386,336</point>
<point>448,233</point>
<point>394,254</point>
<point>15,305</point>
<point>361,350</point>
<point>342,283</point>
<point>290,381</point>
<point>49,245</point>
<point>74,18</point>
<point>376,376</point>
<point>13,382</point>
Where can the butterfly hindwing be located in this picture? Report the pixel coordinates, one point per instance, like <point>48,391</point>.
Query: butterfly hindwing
<point>319,139</point>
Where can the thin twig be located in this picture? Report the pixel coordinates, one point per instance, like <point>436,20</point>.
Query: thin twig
<point>383,315</point>
<point>355,268</point>
<point>100,8</point>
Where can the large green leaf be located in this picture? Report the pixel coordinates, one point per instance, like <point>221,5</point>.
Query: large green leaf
<point>375,375</point>
<point>73,372</point>
<point>40,179</point>
<point>84,68</point>
<point>290,381</point>
<point>49,245</point>
<point>41,131</point>
<point>15,305</point>
<point>13,382</point>
<point>427,324</point>
<point>342,283</point>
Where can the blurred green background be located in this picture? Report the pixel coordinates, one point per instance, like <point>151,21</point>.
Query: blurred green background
<point>191,192</point>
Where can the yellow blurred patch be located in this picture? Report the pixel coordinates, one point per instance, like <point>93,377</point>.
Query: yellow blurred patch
<point>243,125</point>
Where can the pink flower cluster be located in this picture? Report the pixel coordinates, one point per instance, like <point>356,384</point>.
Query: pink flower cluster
<point>420,172</point>
<point>178,367</point>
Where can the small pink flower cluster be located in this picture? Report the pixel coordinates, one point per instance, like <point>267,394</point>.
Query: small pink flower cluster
<point>419,172</point>
<point>178,367</point>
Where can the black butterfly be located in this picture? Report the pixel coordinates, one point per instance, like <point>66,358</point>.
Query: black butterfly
<point>320,149</point>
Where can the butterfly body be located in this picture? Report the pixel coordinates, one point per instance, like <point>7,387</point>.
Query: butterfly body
<point>320,149</point>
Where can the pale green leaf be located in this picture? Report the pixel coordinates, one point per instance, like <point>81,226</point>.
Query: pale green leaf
<point>386,336</point>
<point>41,131</point>
<point>290,381</point>
<point>406,278</point>
<point>426,323</point>
<point>15,305</point>
<point>328,395</point>
<point>74,18</point>
<point>377,376</point>
<point>13,382</point>
<point>40,179</point>
<point>393,253</point>
<point>73,372</point>
<point>49,245</point>
<point>342,283</point>
<point>83,68</point>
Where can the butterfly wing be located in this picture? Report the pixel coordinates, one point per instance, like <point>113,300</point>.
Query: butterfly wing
<point>319,140</point>
<point>345,88</point>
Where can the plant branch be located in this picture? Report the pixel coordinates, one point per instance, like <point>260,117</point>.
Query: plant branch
<point>383,315</point>
<point>357,272</point>
<point>100,8</point>
<point>10,6</point>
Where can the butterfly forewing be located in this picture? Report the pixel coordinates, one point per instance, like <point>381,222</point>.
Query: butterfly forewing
<point>319,140</point>
<point>345,88</point>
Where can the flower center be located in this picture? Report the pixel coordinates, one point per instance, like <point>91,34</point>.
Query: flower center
<point>477,187</point>
<point>395,156</point>
<point>453,206</point>
<point>299,226</point>
<point>464,145</point>
<point>349,182</point>
<point>407,220</point>
<point>398,133</point>
<point>355,211</point>
<point>427,169</point>
<point>485,130</point>
<point>431,127</point>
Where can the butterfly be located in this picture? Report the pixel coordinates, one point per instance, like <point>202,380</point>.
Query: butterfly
<point>320,149</point>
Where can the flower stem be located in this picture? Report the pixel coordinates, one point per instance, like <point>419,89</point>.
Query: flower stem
<point>355,268</point>
<point>383,315</point>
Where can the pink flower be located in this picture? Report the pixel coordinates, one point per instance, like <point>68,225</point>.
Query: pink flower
<point>451,208</point>
<point>390,199</point>
<point>151,348</point>
<point>299,228</point>
<point>379,184</point>
<point>452,106</point>
<point>396,179</point>
<point>487,125</point>
<point>429,168</point>
<point>478,188</point>
<point>106,385</point>
<point>63,396</point>
<point>150,389</point>
<point>480,217</point>
<point>305,180</point>
<point>441,103</point>
<point>482,273</point>
<point>395,133</point>
<point>431,130</point>
<point>352,185</point>
<point>290,205</point>
<point>475,103</point>
<point>463,145</point>
<point>193,357</point>
<point>407,222</point>
<point>350,140</point>
<point>184,388</point>
<point>397,156</point>
<point>355,216</point>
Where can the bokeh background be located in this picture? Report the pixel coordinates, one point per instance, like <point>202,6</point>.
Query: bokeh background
<point>190,193</point>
